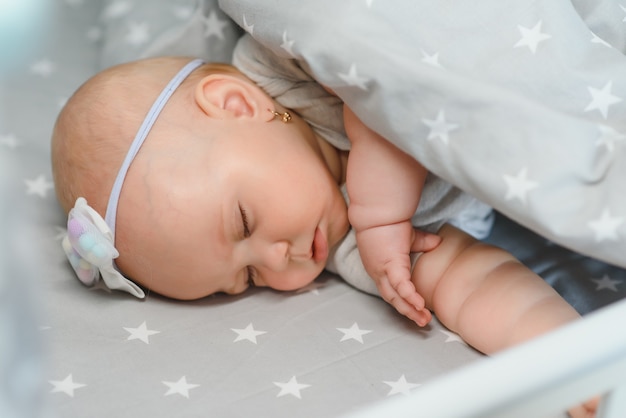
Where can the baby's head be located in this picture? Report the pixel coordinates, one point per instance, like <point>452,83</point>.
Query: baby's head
<point>220,194</point>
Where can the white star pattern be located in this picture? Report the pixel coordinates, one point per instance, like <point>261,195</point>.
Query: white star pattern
<point>66,385</point>
<point>138,33</point>
<point>141,333</point>
<point>183,12</point>
<point>607,283</point>
<point>400,386</point>
<point>117,9</point>
<point>595,39</point>
<point>352,78</point>
<point>608,137</point>
<point>39,186</point>
<point>451,337</point>
<point>431,59</point>
<point>518,186</point>
<point>181,387</point>
<point>602,99</point>
<point>214,26</point>
<point>9,141</point>
<point>43,68</point>
<point>440,128</point>
<point>248,27</point>
<point>287,44</point>
<point>605,227</point>
<point>292,387</point>
<point>248,333</point>
<point>531,37</point>
<point>353,333</point>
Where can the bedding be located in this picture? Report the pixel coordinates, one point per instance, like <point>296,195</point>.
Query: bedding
<point>323,351</point>
<point>518,103</point>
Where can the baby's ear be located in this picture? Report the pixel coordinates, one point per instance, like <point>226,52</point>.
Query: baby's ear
<point>225,96</point>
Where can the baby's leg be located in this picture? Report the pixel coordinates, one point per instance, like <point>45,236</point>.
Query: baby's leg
<point>485,295</point>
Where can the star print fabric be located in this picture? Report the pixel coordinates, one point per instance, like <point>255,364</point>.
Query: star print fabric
<point>132,29</point>
<point>504,99</point>
<point>318,352</point>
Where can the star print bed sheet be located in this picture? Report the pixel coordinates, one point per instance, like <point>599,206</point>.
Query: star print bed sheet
<point>517,102</point>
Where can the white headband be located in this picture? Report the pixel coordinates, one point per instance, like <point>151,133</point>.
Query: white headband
<point>90,240</point>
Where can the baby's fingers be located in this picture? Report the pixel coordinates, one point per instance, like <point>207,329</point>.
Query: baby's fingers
<point>424,241</point>
<point>420,316</point>
<point>406,290</point>
<point>400,279</point>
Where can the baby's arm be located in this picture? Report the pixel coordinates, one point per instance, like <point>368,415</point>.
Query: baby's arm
<point>489,298</point>
<point>486,295</point>
<point>384,185</point>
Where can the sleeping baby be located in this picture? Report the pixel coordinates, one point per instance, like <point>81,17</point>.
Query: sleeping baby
<point>189,178</point>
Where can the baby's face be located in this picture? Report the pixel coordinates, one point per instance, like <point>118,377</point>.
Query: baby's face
<point>257,205</point>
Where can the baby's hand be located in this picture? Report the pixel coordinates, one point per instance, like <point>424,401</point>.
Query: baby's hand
<point>385,253</point>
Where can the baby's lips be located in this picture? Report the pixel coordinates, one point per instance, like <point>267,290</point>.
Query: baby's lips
<point>320,246</point>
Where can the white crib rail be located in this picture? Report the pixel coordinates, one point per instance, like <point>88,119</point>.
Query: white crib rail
<point>538,379</point>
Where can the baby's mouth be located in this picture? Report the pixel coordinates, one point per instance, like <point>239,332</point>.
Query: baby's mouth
<point>319,246</point>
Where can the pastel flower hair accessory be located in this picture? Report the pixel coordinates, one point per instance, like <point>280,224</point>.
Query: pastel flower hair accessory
<point>90,249</point>
<point>90,240</point>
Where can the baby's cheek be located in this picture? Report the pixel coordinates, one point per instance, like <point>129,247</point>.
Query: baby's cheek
<point>292,280</point>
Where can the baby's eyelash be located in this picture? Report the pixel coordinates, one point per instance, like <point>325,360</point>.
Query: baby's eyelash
<point>251,272</point>
<point>244,221</point>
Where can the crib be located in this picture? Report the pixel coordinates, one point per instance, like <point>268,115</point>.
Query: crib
<point>327,349</point>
